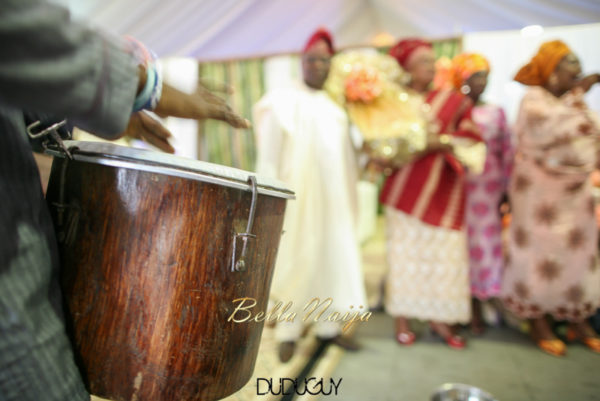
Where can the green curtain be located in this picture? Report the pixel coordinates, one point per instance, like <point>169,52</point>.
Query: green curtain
<point>447,47</point>
<point>220,144</point>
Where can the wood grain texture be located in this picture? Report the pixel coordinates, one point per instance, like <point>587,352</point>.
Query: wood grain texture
<point>148,283</point>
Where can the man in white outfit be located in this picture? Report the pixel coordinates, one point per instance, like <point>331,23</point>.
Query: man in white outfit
<point>303,139</point>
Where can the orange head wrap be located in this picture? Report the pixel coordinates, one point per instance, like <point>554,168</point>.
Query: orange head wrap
<point>466,64</point>
<point>320,34</point>
<point>539,68</point>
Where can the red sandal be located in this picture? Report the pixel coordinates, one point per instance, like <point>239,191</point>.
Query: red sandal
<point>406,337</point>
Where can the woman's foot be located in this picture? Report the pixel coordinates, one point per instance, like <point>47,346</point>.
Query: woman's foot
<point>477,323</point>
<point>583,332</point>
<point>404,335</point>
<point>406,338</point>
<point>545,339</point>
<point>447,333</point>
<point>554,347</point>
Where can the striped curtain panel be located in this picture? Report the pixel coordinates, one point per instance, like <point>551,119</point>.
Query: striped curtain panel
<point>447,47</point>
<point>220,144</point>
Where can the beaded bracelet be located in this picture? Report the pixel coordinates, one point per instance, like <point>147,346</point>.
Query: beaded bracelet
<point>149,97</point>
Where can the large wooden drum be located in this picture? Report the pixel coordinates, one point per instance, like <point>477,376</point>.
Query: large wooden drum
<point>155,249</point>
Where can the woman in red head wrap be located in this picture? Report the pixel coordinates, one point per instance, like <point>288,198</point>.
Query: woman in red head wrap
<point>552,266</point>
<point>417,58</point>
<point>426,245</point>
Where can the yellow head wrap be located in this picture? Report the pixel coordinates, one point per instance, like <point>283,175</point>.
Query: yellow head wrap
<point>466,64</point>
<point>538,70</point>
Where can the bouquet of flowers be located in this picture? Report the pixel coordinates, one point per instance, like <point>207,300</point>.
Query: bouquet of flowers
<point>392,119</point>
<point>363,84</point>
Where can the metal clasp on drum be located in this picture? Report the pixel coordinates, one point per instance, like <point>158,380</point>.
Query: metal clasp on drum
<point>52,132</point>
<point>240,264</point>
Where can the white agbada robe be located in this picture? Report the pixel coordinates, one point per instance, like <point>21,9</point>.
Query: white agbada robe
<point>303,140</point>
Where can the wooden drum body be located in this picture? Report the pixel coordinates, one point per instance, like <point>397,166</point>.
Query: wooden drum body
<point>148,270</point>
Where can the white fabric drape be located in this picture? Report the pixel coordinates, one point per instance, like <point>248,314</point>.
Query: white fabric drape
<point>225,29</point>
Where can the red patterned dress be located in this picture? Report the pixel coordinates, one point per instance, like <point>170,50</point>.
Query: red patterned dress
<point>427,257</point>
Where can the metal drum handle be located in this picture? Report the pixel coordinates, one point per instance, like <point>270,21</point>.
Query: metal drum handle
<point>240,264</point>
<point>51,138</point>
<point>52,132</point>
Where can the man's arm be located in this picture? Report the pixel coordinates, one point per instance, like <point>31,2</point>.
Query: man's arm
<point>51,64</point>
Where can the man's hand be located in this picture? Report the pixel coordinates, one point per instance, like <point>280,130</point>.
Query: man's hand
<point>174,103</point>
<point>199,106</point>
<point>587,82</point>
<point>143,126</point>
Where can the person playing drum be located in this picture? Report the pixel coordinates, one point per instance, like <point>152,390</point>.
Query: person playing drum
<point>53,65</point>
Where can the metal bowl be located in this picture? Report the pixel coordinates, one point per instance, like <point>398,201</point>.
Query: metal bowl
<point>460,392</point>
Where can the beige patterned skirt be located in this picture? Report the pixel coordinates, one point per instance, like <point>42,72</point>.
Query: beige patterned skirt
<point>552,265</point>
<point>428,271</point>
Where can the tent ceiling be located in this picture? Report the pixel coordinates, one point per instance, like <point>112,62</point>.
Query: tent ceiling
<point>222,29</point>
